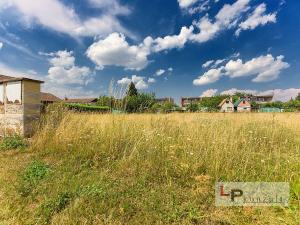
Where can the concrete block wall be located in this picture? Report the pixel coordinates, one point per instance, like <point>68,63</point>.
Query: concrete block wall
<point>20,118</point>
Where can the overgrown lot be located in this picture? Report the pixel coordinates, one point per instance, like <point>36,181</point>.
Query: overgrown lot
<point>148,169</point>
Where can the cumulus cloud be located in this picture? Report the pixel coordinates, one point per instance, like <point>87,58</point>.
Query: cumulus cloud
<point>209,77</point>
<point>265,68</point>
<point>115,50</point>
<point>64,71</point>
<point>226,18</point>
<point>55,15</point>
<point>174,41</point>
<point>279,94</point>
<point>186,3</point>
<point>1,45</point>
<point>205,29</point>
<point>113,6</point>
<point>282,94</point>
<point>257,18</point>
<point>209,93</point>
<point>139,81</point>
<point>201,7</point>
<point>194,6</point>
<point>160,72</point>
<point>232,91</point>
<point>207,63</point>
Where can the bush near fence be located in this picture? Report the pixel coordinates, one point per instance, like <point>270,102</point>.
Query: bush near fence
<point>87,108</point>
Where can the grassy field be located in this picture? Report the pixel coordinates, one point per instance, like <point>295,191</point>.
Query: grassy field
<point>149,169</point>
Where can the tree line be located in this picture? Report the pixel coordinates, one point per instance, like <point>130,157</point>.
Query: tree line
<point>135,102</point>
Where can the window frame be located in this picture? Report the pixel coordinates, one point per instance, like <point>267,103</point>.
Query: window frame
<point>21,93</point>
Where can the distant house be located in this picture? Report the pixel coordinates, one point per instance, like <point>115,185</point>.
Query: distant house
<point>185,101</point>
<point>242,105</point>
<point>48,98</point>
<point>259,99</point>
<point>164,100</point>
<point>89,101</point>
<point>227,105</point>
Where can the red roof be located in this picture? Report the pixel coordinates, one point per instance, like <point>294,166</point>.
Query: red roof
<point>48,97</point>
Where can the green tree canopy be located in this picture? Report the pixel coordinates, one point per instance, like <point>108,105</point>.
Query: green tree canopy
<point>193,107</point>
<point>132,91</point>
<point>105,101</point>
<point>139,103</point>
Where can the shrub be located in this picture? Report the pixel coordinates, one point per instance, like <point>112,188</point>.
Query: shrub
<point>141,102</point>
<point>87,108</point>
<point>52,206</point>
<point>32,175</point>
<point>14,142</point>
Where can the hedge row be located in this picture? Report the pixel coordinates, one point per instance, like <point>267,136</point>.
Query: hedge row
<point>87,108</point>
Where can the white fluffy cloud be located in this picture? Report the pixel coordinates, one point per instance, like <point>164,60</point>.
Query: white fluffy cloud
<point>140,82</point>
<point>257,18</point>
<point>207,63</point>
<point>160,72</point>
<point>1,45</point>
<point>194,6</point>
<point>232,91</point>
<point>209,93</point>
<point>115,50</point>
<point>64,71</point>
<point>186,3</point>
<point>174,41</point>
<point>204,29</point>
<point>226,18</point>
<point>53,14</point>
<point>209,77</point>
<point>265,68</point>
<point>279,94</point>
<point>113,6</point>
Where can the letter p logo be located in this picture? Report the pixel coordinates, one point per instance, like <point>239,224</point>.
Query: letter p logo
<point>235,193</point>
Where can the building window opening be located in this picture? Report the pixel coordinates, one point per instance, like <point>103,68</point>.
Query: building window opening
<point>14,93</point>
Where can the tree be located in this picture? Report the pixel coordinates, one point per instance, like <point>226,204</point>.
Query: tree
<point>139,103</point>
<point>193,107</point>
<point>298,97</point>
<point>104,101</point>
<point>132,91</point>
<point>212,103</point>
<point>168,106</point>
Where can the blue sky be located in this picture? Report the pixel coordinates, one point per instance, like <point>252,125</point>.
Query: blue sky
<point>170,47</point>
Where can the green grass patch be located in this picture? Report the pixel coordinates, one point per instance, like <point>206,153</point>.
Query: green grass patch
<point>52,206</point>
<point>31,177</point>
<point>13,142</point>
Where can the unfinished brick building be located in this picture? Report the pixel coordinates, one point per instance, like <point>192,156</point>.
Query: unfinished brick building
<point>20,105</point>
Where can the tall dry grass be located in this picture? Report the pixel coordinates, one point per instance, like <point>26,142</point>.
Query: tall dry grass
<point>160,169</point>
